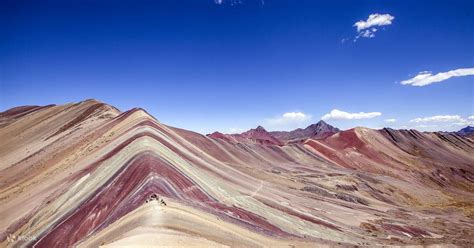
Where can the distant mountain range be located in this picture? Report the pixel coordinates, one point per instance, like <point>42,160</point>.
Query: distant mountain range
<point>318,131</point>
<point>256,135</point>
<point>259,135</point>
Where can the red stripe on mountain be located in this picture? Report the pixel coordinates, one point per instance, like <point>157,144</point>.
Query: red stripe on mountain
<point>119,196</point>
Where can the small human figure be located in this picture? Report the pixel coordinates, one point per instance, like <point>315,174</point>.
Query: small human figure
<point>152,197</point>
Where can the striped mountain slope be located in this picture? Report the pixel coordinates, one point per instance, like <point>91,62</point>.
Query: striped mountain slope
<point>87,174</point>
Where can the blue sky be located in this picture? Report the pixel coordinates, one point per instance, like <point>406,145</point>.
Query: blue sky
<point>232,65</point>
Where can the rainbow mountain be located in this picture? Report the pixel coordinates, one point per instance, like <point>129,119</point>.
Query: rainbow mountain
<point>86,174</point>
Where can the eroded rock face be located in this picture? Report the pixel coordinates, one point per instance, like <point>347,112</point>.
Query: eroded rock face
<point>86,174</point>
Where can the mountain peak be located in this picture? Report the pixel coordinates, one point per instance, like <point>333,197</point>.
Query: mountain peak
<point>260,135</point>
<point>216,133</point>
<point>260,129</point>
<point>467,131</point>
<point>255,135</point>
<point>319,130</point>
<point>219,135</point>
<point>320,124</point>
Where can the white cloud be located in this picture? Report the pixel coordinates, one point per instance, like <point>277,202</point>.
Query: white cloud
<point>231,2</point>
<point>367,29</point>
<point>374,20</point>
<point>288,121</point>
<point>441,123</point>
<point>439,118</point>
<point>235,130</point>
<point>390,120</point>
<point>290,117</point>
<point>462,123</point>
<point>336,114</point>
<point>471,117</point>
<point>369,33</point>
<point>426,78</point>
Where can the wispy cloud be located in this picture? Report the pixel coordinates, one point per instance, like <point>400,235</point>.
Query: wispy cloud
<point>288,120</point>
<point>235,130</point>
<point>390,120</point>
<point>441,123</point>
<point>336,114</point>
<point>368,28</point>
<point>453,120</point>
<point>290,117</point>
<point>438,118</point>
<point>426,78</point>
<point>374,20</point>
<point>231,2</point>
